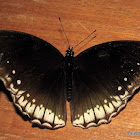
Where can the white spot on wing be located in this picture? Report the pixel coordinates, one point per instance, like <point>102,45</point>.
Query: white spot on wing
<point>41,106</point>
<point>13,71</point>
<point>79,121</point>
<point>119,88</point>
<point>130,86</point>
<point>36,112</point>
<point>21,99</point>
<point>33,100</point>
<point>23,103</point>
<point>99,112</point>
<point>18,82</point>
<point>116,103</point>
<point>124,95</point>
<point>97,106</point>
<point>27,107</point>
<point>9,79</point>
<point>28,95</point>
<point>105,101</point>
<point>31,108</point>
<point>117,98</point>
<point>49,116</point>
<point>20,92</point>
<point>109,109</point>
<point>86,117</point>
<point>125,79</point>
<point>89,116</point>
<point>91,113</point>
<point>58,121</point>
<point>12,88</point>
<point>39,112</point>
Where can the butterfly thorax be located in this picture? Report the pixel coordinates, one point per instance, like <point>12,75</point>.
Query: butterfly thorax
<point>68,72</point>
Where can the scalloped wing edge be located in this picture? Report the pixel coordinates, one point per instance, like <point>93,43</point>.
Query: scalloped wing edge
<point>105,121</point>
<point>33,121</point>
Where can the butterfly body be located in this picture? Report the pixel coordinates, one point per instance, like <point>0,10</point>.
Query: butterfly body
<point>69,58</point>
<point>97,82</point>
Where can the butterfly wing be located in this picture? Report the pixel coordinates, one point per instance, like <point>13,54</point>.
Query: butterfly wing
<point>32,70</point>
<point>104,77</point>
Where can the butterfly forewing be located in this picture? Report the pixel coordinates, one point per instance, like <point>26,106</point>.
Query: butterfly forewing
<point>31,69</point>
<point>104,77</point>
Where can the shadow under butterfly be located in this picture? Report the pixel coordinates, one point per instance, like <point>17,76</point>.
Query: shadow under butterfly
<point>97,83</point>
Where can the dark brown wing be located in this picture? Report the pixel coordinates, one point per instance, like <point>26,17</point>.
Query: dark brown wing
<point>105,76</point>
<point>32,70</point>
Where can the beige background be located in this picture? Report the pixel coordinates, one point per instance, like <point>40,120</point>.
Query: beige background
<point>113,20</point>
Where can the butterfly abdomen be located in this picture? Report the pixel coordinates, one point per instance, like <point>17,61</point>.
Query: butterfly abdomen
<point>68,89</point>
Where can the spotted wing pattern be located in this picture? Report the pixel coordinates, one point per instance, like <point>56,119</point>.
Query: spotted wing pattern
<point>31,69</point>
<point>104,77</point>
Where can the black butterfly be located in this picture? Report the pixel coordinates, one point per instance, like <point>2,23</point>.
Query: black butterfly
<point>97,82</point>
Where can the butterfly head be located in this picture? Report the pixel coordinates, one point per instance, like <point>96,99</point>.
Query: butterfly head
<point>70,52</point>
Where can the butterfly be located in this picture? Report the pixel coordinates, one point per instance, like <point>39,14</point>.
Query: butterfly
<point>97,82</point>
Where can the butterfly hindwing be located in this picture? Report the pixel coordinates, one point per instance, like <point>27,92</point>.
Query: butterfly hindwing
<point>31,69</point>
<point>104,77</point>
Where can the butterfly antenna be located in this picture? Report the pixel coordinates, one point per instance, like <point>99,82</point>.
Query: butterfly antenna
<point>86,38</point>
<point>85,44</point>
<point>64,32</point>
